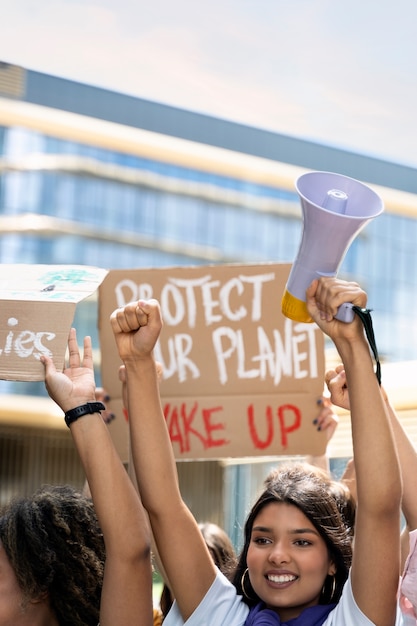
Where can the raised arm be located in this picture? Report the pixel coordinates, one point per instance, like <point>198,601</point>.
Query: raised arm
<point>408,462</point>
<point>127,585</point>
<point>376,557</point>
<point>336,383</point>
<point>187,562</point>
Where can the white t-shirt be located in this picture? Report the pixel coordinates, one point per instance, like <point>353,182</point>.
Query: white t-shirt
<point>221,606</point>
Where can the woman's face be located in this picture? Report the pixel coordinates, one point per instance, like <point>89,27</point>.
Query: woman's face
<point>13,610</point>
<point>288,560</point>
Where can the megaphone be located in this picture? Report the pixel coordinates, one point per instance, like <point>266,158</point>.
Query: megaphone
<point>335,209</point>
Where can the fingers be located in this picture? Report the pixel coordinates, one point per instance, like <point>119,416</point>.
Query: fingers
<point>49,365</point>
<point>325,296</point>
<point>337,373</point>
<point>335,380</point>
<point>73,350</point>
<point>135,315</point>
<point>142,313</point>
<point>337,385</point>
<point>125,320</point>
<point>88,353</point>
<point>332,292</point>
<point>327,420</point>
<point>151,311</point>
<point>129,318</point>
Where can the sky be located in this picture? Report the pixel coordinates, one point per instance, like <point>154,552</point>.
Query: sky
<point>339,73</point>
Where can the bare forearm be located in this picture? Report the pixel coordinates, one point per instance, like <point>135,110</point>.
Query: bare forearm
<point>116,502</point>
<point>158,485</point>
<point>151,446</point>
<point>408,463</point>
<point>376,460</point>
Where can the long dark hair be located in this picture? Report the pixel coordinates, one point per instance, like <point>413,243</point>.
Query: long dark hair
<point>300,485</point>
<point>220,546</point>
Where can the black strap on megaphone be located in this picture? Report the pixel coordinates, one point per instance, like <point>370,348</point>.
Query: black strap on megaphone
<point>365,316</point>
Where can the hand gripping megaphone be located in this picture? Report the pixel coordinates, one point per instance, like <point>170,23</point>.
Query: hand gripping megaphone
<point>335,208</point>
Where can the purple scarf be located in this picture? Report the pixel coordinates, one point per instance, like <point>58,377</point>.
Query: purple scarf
<point>313,616</point>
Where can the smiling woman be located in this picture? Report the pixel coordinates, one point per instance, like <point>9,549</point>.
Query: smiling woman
<point>296,560</point>
<point>296,543</point>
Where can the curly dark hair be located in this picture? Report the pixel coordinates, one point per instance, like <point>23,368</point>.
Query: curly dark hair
<point>56,549</point>
<point>300,485</point>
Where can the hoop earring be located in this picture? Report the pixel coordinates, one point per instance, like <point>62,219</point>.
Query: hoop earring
<point>242,584</point>
<point>333,590</point>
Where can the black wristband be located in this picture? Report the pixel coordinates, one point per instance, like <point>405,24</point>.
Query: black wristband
<point>85,409</point>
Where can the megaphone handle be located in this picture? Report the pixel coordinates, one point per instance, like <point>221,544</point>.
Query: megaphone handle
<point>345,313</point>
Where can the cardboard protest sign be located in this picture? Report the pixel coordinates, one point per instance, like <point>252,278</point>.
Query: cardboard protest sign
<point>240,379</point>
<point>37,309</point>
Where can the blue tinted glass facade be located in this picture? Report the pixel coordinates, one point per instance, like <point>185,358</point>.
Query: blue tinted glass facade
<point>116,210</point>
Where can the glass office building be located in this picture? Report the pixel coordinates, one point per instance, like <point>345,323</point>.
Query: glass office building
<point>75,188</point>
<point>92,177</point>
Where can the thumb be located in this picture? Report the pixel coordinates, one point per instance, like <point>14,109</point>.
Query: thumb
<point>48,364</point>
<point>337,388</point>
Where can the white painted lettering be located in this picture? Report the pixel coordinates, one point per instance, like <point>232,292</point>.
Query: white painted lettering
<point>257,282</point>
<point>25,343</point>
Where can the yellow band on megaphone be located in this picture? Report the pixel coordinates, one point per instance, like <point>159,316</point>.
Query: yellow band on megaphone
<point>294,309</point>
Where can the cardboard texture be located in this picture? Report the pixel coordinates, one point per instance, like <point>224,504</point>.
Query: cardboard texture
<point>240,379</point>
<point>37,309</point>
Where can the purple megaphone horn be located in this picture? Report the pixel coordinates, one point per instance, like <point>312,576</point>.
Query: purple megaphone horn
<point>335,208</point>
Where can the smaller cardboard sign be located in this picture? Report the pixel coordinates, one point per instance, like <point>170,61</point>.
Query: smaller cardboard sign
<point>239,379</point>
<point>37,309</point>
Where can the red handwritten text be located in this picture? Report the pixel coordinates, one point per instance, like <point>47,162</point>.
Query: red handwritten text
<point>283,412</point>
<point>180,426</point>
